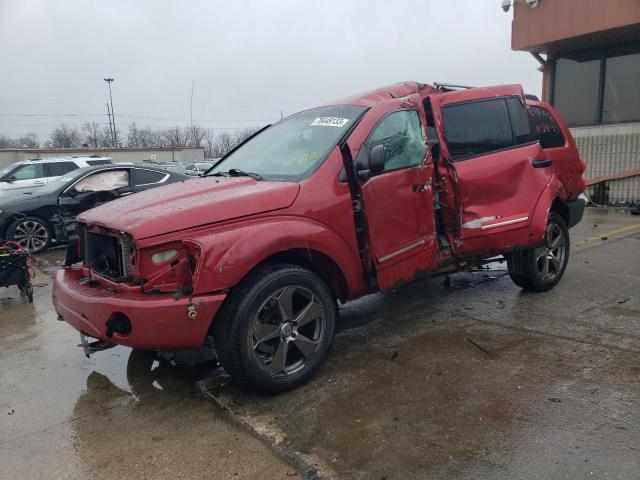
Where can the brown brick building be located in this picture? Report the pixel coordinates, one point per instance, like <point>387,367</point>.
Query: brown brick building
<point>589,52</point>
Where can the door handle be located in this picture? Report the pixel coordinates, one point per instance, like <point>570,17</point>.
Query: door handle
<point>421,187</point>
<point>542,163</point>
<point>38,183</point>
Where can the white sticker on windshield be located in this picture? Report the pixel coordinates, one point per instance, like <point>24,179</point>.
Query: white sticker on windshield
<point>330,122</point>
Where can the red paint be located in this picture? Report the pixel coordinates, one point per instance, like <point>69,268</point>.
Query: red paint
<point>228,226</point>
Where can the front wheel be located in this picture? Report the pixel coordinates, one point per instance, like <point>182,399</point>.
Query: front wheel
<point>540,268</point>
<point>276,328</point>
<point>31,233</point>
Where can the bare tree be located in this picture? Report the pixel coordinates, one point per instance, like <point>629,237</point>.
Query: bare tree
<point>174,137</point>
<point>194,135</point>
<point>94,135</point>
<point>133,137</point>
<point>65,137</point>
<point>30,140</point>
<point>6,142</point>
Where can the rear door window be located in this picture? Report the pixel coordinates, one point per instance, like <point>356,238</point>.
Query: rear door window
<point>98,162</point>
<point>59,168</point>
<point>476,128</point>
<point>141,176</point>
<point>519,121</point>
<point>545,128</point>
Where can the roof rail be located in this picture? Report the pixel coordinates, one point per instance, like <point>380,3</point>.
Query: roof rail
<point>451,86</point>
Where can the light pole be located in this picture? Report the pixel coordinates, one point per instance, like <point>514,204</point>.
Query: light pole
<point>113,117</point>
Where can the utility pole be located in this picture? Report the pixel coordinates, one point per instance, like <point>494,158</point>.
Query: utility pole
<point>110,126</point>
<point>113,115</point>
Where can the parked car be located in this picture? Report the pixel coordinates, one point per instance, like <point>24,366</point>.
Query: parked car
<point>35,220</point>
<point>197,169</point>
<point>177,167</point>
<point>28,175</point>
<point>328,204</point>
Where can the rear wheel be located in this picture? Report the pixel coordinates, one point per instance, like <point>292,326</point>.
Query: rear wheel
<point>276,328</point>
<point>540,268</point>
<point>31,233</point>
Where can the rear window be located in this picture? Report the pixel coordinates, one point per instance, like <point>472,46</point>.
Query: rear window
<point>545,128</point>
<point>476,128</point>
<point>99,162</point>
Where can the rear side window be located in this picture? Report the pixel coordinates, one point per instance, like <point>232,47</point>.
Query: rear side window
<point>146,177</point>
<point>545,128</point>
<point>59,168</point>
<point>98,162</point>
<point>476,128</point>
<point>401,134</point>
<point>519,121</point>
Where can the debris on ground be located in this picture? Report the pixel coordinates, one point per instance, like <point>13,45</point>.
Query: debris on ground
<point>477,345</point>
<point>395,355</point>
<point>604,238</point>
<point>555,399</point>
<point>624,300</point>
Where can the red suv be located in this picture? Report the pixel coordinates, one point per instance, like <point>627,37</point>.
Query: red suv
<point>329,204</point>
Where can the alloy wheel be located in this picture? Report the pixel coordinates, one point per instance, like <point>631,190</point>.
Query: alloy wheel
<point>550,257</point>
<point>287,331</point>
<point>31,235</point>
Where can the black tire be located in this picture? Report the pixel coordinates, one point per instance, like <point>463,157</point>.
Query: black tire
<point>279,316</point>
<point>540,268</point>
<point>29,292</point>
<point>40,239</point>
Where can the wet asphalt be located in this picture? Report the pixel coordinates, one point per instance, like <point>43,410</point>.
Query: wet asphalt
<point>462,378</point>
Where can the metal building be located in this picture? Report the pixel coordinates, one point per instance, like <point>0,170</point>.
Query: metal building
<point>135,155</point>
<point>589,51</point>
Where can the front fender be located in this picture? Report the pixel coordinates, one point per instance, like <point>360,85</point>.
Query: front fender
<point>229,254</point>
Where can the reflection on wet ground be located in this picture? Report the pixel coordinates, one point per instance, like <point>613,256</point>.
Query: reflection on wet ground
<point>120,414</point>
<point>465,377</point>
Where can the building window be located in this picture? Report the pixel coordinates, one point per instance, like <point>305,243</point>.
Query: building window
<point>598,86</point>
<point>576,90</point>
<point>622,89</point>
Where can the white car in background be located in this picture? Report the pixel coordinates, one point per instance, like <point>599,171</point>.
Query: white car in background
<point>26,176</point>
<point>197,169</point>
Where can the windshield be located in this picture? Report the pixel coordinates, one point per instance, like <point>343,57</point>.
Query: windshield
<point>293,148</point>
<point>61,182</point>
<point>6,170</point>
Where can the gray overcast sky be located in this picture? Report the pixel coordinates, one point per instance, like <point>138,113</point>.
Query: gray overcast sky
<point>249,59</point>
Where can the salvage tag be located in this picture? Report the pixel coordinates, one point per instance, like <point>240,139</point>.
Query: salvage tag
<point>329,122</point>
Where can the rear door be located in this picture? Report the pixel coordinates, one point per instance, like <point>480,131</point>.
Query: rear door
<point>499,167</point>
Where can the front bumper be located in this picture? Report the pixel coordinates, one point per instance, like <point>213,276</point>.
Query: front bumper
<point>158,322</point>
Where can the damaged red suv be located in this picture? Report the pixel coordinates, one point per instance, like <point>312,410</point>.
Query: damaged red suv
<point>329,204</point>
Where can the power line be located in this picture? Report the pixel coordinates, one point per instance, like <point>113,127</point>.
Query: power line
<point>140,117</point>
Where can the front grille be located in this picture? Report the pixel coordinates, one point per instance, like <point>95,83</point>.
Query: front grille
<point>106,255</point>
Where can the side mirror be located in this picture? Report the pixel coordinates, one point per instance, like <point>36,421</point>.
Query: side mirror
<point>377,158</point>
<point>10,179</point>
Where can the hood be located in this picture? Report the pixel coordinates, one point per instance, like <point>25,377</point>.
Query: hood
<point>190,204</point>
<point>19,202</point>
